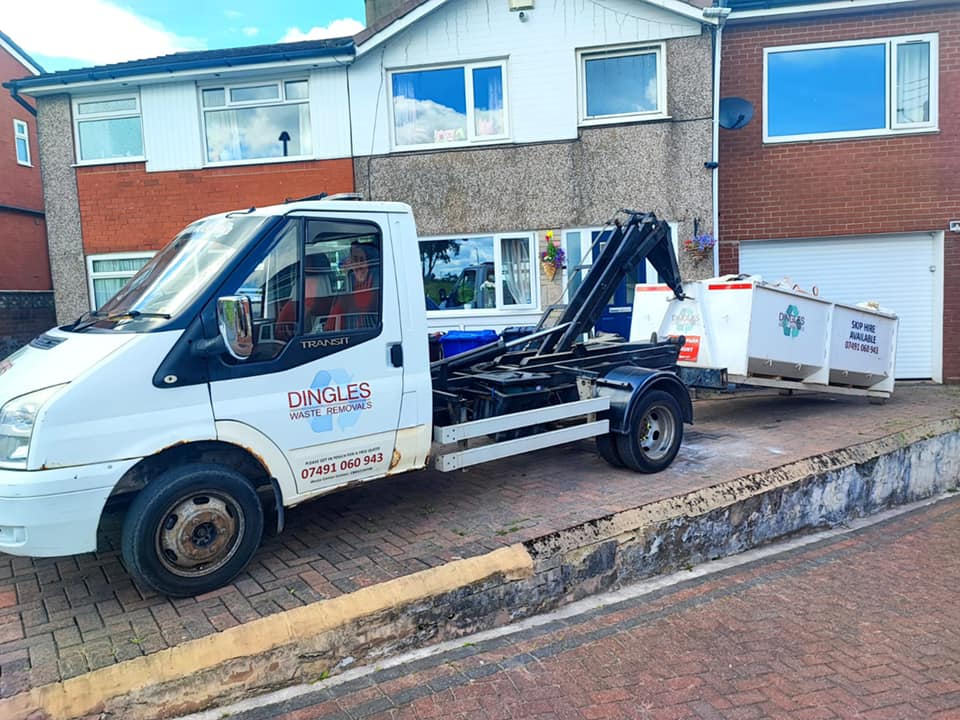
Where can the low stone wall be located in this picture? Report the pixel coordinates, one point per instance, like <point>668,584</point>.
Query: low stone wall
<point>311,642</point>
<point>23,316</point>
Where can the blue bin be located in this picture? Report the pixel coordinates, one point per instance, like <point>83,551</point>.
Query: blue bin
<point>459,341</point>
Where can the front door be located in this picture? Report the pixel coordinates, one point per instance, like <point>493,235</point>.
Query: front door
<point>618,312</point>
<point>320,382</point>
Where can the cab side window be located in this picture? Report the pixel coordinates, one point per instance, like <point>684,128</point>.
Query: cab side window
<point>342,269</point>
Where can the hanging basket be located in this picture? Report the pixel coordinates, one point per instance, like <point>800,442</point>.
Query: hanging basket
<point>549,269</point>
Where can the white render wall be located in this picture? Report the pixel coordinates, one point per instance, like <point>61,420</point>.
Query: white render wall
<point>542,84</point>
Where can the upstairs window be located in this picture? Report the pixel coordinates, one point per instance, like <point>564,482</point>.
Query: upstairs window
<point>853,89</point>
<point>21,138</point>
<point>440,107</point>
<point>259,121</point>
<point>108,128</point>
<point>622,84</point>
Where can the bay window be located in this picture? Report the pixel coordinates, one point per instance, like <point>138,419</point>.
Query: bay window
<point>483,272</point>
<point>850,89</point>
<point>458,105</point>
<point>257,121</point>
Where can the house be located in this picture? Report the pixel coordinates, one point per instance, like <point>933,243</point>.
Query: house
<point>846,178</point>
<point>26,297</point>
<point>498,121</point>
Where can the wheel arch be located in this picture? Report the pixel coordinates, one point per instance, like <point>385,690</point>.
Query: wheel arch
<point>626,385</point>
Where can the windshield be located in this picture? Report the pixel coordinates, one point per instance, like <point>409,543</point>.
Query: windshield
<point>177,274</point>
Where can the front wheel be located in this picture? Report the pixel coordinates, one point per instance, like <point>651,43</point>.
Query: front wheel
<point>655,431</point>
<point>192,530</point>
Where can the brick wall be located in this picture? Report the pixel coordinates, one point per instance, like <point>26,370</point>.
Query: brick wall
<point>125,208</point>
<point>23,252</point>
<point>19,184</point>
<point>907,183</point>
<point>23,316</point>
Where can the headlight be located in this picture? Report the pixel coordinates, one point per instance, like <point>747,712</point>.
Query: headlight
<point>16,426</point>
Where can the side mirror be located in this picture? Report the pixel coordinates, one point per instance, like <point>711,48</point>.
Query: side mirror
<point>235,320</point>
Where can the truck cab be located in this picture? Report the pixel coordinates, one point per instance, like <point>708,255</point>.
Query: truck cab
<point>333,390</point>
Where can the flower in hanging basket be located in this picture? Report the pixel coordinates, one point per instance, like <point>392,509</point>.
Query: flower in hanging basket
<point>699,245</point>
<point>554,254</point>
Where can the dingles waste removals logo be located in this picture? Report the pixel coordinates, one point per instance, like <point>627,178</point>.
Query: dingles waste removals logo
<point>330,400</point>
<point>791,321</point>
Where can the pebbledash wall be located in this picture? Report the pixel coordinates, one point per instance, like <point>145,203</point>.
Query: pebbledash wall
<point>121,207</point>
<point>863,186</point>
<point>26,299</point>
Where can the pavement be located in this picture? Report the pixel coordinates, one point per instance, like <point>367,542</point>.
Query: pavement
<point>859,625</point>
<point>62,618</point>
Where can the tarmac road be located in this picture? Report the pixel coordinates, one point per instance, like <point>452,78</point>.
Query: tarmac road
<point>860,623</point>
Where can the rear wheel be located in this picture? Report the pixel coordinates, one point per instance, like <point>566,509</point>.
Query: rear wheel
<point>192,530</point>
<point>607,447</point>
<point>654,435</point>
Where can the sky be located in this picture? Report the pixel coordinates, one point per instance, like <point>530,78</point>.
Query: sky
<point>65,34</point>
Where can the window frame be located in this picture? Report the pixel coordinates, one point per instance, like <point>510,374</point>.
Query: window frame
<point>615,51</point>
<point>500,308</point>
<point>21,131</point>
<point>472,138</point>
<point>93,275</point>
<point>239,104</point>
<point>114,115</point>
<point>890,43</point>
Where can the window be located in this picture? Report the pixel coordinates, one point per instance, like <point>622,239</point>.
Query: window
<point>108,128</point>
<point>339,286</point>
<point>109,273</point>
<point>255,122</point>
<point>854,89</point>
<point>619,84</point>
<point>21,138</point>
<point>437,107</point>
<point>479,273</point>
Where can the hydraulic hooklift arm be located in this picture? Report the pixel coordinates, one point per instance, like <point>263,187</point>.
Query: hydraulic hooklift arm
<point>624,246</point>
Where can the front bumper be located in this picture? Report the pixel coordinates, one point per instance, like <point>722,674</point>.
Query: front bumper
<point>48,513</point>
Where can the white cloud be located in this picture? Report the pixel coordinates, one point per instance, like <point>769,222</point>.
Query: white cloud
<point>250,31</point>
<point>233,14</point>
<point>91,31</point>
<point>344,27</point>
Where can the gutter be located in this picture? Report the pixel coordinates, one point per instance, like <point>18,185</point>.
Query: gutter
<point>718,15</point>
<point>20,101</point>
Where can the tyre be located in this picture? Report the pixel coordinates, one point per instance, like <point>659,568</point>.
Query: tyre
<point>655,433</point>
<point>192,530</point>
<point>607,447</point>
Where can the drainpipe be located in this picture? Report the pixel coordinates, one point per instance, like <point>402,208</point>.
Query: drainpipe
<point>719,13</point>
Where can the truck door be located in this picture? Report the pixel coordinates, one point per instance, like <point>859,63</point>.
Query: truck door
<point>321,381</point>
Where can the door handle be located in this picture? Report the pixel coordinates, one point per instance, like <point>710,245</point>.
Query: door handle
<point>396,355</point>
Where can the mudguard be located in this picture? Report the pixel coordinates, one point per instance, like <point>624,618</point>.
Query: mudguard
<point>625,385</point>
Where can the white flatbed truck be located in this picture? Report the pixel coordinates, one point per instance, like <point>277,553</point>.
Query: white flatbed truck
<point>274,355</point>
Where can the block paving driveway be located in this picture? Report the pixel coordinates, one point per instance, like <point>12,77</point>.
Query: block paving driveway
<point>61,617</point>
<point>864,625</point>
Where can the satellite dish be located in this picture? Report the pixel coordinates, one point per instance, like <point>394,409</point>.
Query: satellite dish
<point>735,113</point>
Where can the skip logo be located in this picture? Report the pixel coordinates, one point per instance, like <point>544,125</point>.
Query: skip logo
<point>331,395</point>
<point>791,321</point>
<point>685,320</point>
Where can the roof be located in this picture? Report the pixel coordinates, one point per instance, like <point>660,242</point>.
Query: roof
<point>7,43</point>
<point>194,60</point>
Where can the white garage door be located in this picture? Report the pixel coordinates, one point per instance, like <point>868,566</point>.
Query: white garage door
<point>893,270</point>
